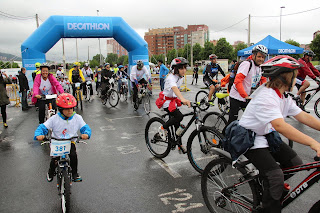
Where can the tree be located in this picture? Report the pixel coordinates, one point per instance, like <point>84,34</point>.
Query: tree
<point>180,52</point>
<point>122,59</point>
<point>239,46</point>
<point>97,58</point>
<point>15,65</point>
<point>171,55</point>
<point>294,43</point>
<point>187,52</point>
<point>207,50</point>
<point>196,52</point>
<point>112,58</point>
<point>94,63</point>
<point>156,58</point>
<point>223,49</point>
<point>315,46</point>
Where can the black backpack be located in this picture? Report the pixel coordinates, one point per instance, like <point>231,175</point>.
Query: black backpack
<point>235,70</point>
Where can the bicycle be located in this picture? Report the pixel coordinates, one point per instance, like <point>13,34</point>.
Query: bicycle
<point>79,95</point>
<point>88,94</point>
<point>60,148</point>
<point>238,188</point>
<point>124,89</point>
<point>112,95</point>
<point>199,145</point>
<point>143,97</point>
<point>49,111</point>
<point>223,103</point>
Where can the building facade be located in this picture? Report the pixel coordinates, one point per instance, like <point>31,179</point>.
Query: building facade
<point>160,41</point>
<point>114,47</point>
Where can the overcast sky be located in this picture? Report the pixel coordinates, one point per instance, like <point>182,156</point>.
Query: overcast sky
<point>144,14</point>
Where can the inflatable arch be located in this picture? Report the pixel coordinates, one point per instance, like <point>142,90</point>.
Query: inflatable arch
<point>56,27</point>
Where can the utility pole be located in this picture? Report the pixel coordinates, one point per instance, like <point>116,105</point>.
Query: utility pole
<point>191,53</point>
<point>88,54</point>
<point>281,19</point>
<point>37,20</point>
<point>249,30</point>
<point>99,42</point>
<point>77,48</point>
<point>64,56</point>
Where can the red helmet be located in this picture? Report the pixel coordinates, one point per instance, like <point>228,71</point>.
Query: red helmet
<point>279,64</point>
<point>66,101</point>
<point>213,56</point>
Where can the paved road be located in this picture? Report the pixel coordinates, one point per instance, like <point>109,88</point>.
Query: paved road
<point>119,174</point>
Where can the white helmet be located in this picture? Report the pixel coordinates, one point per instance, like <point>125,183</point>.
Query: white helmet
<point>86,64</point>
<point>260,48</point>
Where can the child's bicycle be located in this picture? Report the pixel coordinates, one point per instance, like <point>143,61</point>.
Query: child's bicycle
<point>60,148</point>
<point>49,111</point>
<point>200,141</point>
<point>221,94</point>
<point>238,188</point>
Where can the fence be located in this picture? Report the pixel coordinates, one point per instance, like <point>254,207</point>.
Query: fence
<point>13,93</point>
<point>155,81</point>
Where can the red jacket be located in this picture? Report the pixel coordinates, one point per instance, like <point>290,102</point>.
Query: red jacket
<point>307,70</point>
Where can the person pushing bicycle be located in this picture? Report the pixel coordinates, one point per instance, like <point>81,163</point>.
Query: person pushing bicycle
<point>64,125</point>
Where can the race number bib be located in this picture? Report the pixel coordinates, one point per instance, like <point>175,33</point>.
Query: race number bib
<point>59,148</point>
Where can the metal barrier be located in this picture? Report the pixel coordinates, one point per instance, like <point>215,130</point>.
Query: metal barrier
<point>13,93</point>
<point>155,81</point>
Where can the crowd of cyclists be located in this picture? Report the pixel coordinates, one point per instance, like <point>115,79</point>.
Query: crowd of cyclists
<point>258,85</point>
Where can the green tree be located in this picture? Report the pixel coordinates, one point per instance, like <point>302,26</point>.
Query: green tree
<point>97,58</point>
<point>187,52</point>
<point>1,65</point>
<point>180,52</point>
<point>315,47</point>
<point>196,52</point>
<point>294,43</point>
<point>223,49</point>
<point>112,58</point>
<point>15,65</point>
<point>239,46</point>
<point>122,59</point>
<point>171,55</point>
<point>156,58</point>
<point>207,50</point>
<point>94,63</point>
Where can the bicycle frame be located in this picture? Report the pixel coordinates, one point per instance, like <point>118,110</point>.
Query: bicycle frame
<point>316,91</point>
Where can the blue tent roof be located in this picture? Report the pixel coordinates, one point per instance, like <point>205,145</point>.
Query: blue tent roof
<point>275,47</point>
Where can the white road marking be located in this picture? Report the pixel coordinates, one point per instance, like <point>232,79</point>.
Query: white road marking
<point>111,120</point>
<point>166,167</point>
<point>128,136</point>
<point>187,161</point>
<point>107,128</point>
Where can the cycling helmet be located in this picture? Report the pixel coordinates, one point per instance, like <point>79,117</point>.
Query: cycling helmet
<point>308,53</point>
<point>76,64</point>
<point>115,65</point>
<point>44,65</point>
<point>37,64</point>
<point>99,69</point>
<point>86,64</point>
<point>120,66</point>
<point>213,56</point>
<point>66,101</point>
<point>106,64</point>
<point>140,64</point>
<point>260,48</point>
<point>179,61</point>
<point>279,64</point>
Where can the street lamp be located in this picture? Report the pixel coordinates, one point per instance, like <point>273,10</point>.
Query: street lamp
<point>99,42</point>
<point>281,18</point>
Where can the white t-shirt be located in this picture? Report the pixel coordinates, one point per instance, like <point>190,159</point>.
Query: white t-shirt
<point>65,128</point>
<point>87,73</point>
<point>171,81</point>
<point>252,79</point>
<point>138,74</point>
<point>45,87</point>
<point>265,107</point>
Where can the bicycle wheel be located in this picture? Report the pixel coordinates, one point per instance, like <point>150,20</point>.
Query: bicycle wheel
<point>202,100</point>
<point>214,119</point>
<point>65,191</point>
<point>199,147</point>
<point>113,98</point>
<point>224,107</point>
<point>125,93</point>
<point>99,92</point>
<point>317,107</point>
<point>315,208</point>
<point>80,99</point>
<point>221,192</point>
<point>88,96</point>
<point>147,103</point>
<point>158,147</point>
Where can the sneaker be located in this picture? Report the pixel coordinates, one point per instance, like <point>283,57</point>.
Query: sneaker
<point>210,103</point>
<point>163,133</point>
<point>49,177</point>
<point>76,177</point>
<point>5,125</point>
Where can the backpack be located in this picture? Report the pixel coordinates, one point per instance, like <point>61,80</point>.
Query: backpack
<point>234,73</point>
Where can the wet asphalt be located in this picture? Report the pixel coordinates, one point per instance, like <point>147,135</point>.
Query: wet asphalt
<point>119,173</point>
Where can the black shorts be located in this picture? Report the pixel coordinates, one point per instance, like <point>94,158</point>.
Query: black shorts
<point>208,82</point>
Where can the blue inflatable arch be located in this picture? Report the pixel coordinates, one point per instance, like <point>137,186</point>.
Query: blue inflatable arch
<point>34,49</point>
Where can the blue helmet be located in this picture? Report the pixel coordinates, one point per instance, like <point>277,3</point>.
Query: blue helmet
<point>106,64</point>
<point>121,66</point>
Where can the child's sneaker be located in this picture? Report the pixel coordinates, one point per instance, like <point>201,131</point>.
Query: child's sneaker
<point>76,177</point>
<point>163,133</point>
<point>49,177</point>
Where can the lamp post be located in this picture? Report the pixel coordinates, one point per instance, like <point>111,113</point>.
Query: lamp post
<point>99,43</point>
<point>281,18</point>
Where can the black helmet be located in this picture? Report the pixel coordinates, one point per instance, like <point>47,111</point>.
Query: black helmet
<point>140,64</point>
<point>308,53</point>
<point>179,61</point>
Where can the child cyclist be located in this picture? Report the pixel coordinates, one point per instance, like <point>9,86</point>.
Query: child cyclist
<point>265,114</point>
<point>65,124</point>
<point>171,98</point>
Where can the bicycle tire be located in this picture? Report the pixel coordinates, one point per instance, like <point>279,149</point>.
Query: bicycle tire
<point>113,97</point>
<point>217,176</point>
<point>152,138</point>
<point>88,95</point>
<point>147,104</point>
<point>99,92</point>
<point>216,120</point>
<point>316,107</point>
<point>65,191</point>
<point>224,108</point>
<point>125,93</point>
<point>200,155</point>
<point>315,208</point>
<point>202,99</point>
<point>80,100</point>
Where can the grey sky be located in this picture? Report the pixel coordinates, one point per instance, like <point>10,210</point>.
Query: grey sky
<point>144,14</point>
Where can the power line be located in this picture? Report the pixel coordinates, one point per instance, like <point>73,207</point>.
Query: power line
<point>231,25</point>
<point>7,15</point>
<point>16,16</point>
<point>290,14</point>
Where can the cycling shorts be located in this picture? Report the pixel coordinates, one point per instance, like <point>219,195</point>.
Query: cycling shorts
<point>299,82</point>
<point>208,82</point>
